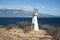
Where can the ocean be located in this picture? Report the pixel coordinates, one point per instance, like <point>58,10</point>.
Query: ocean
<point>41,21</point>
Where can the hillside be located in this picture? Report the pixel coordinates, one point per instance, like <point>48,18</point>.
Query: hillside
<point>20,13</point>
<point>24,31</point>
<point>18,34</point>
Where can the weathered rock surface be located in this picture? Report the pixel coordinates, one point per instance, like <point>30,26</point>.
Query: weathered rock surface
<point>18,34</point>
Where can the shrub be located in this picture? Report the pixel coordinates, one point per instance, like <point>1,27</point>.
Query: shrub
<point>25,26</point>
<point>1,26</point>
<point>53,31</point>
<point>10,26</point>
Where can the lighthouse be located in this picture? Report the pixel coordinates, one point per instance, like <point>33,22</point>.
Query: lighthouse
<point>34,19</point>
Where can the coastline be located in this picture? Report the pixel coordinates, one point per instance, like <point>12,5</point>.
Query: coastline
<point>15,32</point>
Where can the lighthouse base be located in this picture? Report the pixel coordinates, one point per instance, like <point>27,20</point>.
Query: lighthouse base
<point>35,22</point>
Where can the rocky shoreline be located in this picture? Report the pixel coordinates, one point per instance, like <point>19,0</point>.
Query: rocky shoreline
<point>18,34</point>
<point>24,31</point>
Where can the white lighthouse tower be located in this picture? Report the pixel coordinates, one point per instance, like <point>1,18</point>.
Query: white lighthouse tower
<point>34,19</point>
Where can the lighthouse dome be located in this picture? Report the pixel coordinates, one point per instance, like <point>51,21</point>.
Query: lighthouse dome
<point>35,12</point>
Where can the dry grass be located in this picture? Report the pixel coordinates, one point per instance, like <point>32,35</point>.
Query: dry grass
<point>18,34</point>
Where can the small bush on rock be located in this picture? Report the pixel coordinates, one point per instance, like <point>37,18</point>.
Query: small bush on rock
<point>25,26</point>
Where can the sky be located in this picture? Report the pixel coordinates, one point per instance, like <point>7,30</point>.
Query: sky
<point>51,7</point>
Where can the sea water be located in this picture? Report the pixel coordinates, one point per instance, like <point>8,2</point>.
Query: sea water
<point>49,21</point>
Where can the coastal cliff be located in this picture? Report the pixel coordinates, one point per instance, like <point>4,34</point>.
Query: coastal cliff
<point>18,34</point>
<point>24,31</point>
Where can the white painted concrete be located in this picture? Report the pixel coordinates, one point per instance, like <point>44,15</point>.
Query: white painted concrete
<point>35,21</point>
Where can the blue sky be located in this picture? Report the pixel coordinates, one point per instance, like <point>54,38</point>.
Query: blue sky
<point>51,7</point>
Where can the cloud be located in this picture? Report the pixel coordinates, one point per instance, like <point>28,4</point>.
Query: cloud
<point>49,8</point>
<point>18,7</point>
<point>27,7</point>
<point>44,8</point>
<point>56,8</point>
<point>53,9</point>
<point>41,9</point>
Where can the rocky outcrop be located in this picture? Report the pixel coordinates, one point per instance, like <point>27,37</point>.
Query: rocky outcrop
<point>18,34</point>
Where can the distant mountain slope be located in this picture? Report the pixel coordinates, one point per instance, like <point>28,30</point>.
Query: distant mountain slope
<point>20,13</point>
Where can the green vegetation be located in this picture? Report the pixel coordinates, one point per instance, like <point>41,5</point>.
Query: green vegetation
<point>1,26</point>
<point>53,31</point>
<point>25,26</point>
<point>10,26</point>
